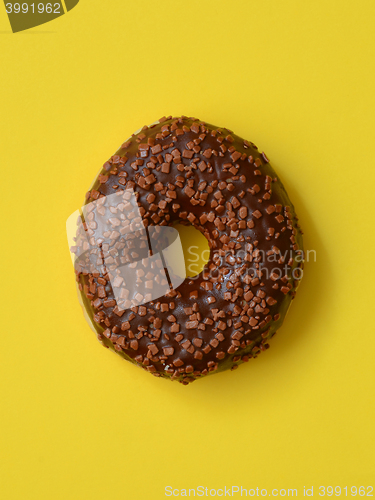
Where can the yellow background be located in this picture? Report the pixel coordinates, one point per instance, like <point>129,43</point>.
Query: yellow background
<point>295,77</point>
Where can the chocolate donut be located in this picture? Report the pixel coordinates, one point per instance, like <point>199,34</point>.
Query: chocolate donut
<point>183,170</point>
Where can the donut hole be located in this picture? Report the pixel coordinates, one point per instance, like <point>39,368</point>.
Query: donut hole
<point>195,247</point>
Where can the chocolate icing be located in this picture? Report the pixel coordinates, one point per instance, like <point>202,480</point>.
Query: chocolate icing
<point>221,322</point>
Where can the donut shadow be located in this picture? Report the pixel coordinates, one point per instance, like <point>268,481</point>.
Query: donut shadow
<point>310,296</point>
<point>300,320</point>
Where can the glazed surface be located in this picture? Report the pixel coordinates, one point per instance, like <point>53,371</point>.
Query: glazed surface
<point>187,171</point>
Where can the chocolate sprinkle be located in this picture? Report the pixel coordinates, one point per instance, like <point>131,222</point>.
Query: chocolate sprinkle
<point>185,170</point>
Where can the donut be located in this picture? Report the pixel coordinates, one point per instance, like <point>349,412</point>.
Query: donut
<point>181,170</point>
